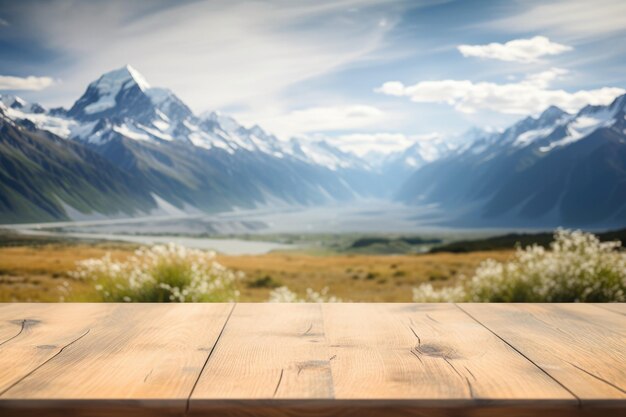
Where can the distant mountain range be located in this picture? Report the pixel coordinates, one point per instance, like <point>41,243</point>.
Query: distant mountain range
<point>161,154</point>
<point>127,149</point>
<point>554,169</point>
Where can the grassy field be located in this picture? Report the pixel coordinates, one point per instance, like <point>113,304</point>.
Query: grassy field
<point>35,271</point>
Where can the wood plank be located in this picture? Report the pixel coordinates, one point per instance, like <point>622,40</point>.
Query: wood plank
<point>581,346</point>
<point>39,332</point>
<point>429,352</point>
<point>268,351</point>
<point>310,359</point>
<point>139,357</point>
<point>619,308</point>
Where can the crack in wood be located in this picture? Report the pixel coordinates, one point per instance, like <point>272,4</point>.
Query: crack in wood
<point>307,330</point>
<point>470,372</point>
<point>416,354</point>
<point>463,377</point>
<point>44,362</point>
<point>415,351</point>
<point>469,387</point>
<point>419,341</point>
<point>578,400</point>
<point>280,379</point>
<point>432,319</point>
<point>598,377</point>
<point>22,327</point>
<point>147,376</point>
<point>219,336</point>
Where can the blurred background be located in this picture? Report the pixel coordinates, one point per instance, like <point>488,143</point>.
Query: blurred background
<point>360,150</point>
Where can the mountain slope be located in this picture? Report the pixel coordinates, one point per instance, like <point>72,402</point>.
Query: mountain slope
<point>41,175</point>
<point>555,169</point>
<point>204,163</point>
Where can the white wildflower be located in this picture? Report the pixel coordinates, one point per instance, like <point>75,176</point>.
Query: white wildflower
<point>161,273</point>
<point>577,267</point>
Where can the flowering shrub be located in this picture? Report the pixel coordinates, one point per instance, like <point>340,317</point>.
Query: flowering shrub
<point>161,273</point>
<point>577,267</point>
<point>285,295</point>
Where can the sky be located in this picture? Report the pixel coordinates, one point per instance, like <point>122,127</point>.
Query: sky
<point>366,74</point>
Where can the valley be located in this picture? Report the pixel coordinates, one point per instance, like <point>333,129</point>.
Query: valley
<point>126,149</point>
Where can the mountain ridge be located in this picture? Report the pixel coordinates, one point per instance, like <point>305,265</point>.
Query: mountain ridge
<point>555,168</point>
<point>208,163</point>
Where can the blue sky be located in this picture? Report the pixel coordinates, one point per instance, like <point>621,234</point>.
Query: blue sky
<point>369,74</point>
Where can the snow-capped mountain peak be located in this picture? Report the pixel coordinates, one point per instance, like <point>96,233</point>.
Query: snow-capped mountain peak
<point>117,93</point>
<point>551,114</point>
<point>113,81</point>
<point>120,104</point>
<point>586,121</point>
<point>137,77</point>
<point>18,103</point>
<point>533,128</point>
<point>227,123</point>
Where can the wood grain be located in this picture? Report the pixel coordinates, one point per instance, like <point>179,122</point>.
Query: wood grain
<point>429,352</point>
<point>581,346</point>
<point>39,333</point>
<point>269,351</point>
<point>313,360</point>
<point>151,352</point>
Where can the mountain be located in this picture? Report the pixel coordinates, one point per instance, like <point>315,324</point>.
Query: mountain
<point>43,175</point>
<point>125,148</point>
<point>397,167</point>
<point>553,169</point>
<point>207,162</point>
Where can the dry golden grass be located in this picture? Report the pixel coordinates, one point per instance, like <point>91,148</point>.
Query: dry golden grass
<point>356,277</point>
<point>38,273</point>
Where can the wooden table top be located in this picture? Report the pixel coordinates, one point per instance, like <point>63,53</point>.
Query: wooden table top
<point>313,359</point>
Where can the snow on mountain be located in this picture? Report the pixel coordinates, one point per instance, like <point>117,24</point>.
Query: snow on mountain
<point>225,122</point>
<point>552,169</point>
<point>118,94</point>
<point>323,153</point>
<point>253,139</point>
<point>417,155</point>
<point>110,85</point>
<point>169,106</point>
<point>585,122</point>
<point>19,104</point>
<point>314,151</point>
<point>551,129</point>
<point>489,143</point>
<point>121,103</point>
<point>17,108</point>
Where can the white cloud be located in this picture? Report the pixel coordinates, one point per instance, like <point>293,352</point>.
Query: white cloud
<point>319,119</point>
<point>576,19</point>
<point>8,82</point>
<point>214,54</point>
<point>382,142</point>
<point>518,50</point>
<point>530,95</point>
